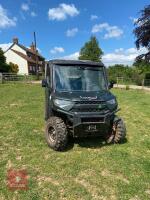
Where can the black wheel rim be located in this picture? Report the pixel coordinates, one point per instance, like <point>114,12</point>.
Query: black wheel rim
<point>51,134</point>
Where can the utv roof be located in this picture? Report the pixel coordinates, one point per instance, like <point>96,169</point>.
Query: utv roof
<point>76,62</point>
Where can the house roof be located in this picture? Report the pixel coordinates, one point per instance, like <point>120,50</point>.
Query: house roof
<point>26,49</point>
<point>30,50</point>
<point>25,56</point>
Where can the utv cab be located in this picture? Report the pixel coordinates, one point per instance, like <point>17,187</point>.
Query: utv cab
<point>78,103</point>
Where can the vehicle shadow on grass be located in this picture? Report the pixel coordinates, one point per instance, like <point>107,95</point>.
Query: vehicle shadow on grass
<point>90,142</point>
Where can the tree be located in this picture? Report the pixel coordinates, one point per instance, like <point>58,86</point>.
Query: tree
<point>142,33</point>
<point>119,70</point>
<point>91,50</point>
<point>4,67</point>
<point>142,66</point>
<point>125,72</point>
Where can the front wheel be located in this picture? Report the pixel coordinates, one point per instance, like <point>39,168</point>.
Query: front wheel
<point>118,132</point>
<point>56,133</point>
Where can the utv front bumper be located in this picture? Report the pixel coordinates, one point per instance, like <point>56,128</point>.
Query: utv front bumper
<point>90,124</point>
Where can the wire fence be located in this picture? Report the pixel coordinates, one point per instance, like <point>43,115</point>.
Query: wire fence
<point>129,81</point>
<point>120,81</point>
<point>12,77</point>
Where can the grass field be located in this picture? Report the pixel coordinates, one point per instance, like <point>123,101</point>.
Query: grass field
<point>89,169</point>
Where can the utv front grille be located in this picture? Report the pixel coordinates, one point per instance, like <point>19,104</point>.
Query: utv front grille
<point>86,109</point>
<point>91,120</point>
<point>89,106</point>
<point>89,102</point>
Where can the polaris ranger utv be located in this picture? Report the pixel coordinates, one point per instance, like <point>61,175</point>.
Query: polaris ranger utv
<point>78,103</point>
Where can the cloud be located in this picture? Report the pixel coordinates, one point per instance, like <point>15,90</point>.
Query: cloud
<point>122,56</point>
<point>71,32</point>
<point>133,19</point>
<point>5,21</point>
<point>73,56</point>
<point>109,31</point>
<point>94,17</point>
<point>57,50</point>
<point>4,47</point>
<point>25,7</point>
<point>33,14</point>
<point>118,56</point>
<point>62,12</point>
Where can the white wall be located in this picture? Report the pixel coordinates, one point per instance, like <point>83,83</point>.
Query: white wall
<point>17,48</point>
<point>16,59</point>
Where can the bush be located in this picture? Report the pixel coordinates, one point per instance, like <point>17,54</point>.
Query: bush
<point>138,79</point>
<point>4,67</point>
<point>13,68</point>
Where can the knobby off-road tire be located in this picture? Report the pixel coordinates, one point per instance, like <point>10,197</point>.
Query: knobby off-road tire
<point>56,133</point>
<point>118,133</point>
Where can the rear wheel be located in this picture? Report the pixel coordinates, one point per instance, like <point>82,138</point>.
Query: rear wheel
<point>56,133</point>
<point>118,132</point>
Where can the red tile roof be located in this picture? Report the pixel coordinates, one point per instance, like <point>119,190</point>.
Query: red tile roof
<point>30,50</point>
<point>25,56</point>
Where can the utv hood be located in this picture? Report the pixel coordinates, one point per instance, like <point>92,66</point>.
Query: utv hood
<point>85,96</point>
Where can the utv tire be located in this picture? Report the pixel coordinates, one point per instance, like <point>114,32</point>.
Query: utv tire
<point>118,133</point>
<point>56,134</point>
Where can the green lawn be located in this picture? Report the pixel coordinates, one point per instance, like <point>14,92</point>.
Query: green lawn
<point>89,169</point>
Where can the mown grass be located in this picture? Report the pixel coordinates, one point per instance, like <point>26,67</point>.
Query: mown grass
<point>89,169</point>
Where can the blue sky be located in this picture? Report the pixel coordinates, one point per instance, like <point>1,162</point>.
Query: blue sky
<point>62,27</point>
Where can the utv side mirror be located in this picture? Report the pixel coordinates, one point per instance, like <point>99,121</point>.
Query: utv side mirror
<point>44,83</point>
<point>111,84</point>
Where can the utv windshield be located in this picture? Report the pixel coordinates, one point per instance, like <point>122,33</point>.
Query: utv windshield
<point>79,78</point>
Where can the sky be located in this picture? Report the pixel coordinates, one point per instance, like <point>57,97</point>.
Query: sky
<point>62,27</point>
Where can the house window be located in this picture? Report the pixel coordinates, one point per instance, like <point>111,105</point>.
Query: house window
<point>34,69</point>
<point>30,68</point>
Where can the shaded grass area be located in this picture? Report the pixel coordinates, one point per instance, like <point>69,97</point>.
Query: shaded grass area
<point>89,169</point>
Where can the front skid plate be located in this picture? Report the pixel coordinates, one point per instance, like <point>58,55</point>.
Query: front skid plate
<point>90,129</point>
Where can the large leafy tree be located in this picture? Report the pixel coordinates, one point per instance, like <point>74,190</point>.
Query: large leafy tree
<point>142,66</point>
<point>3,66</point>
<point>91,50</point>
<point>142,32</point>
<point>2,57</point>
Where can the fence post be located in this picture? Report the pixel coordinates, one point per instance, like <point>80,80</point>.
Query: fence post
<point>26,78</point>
<point>143,83</point>
<point>117,82</point>
<point>1,78</point>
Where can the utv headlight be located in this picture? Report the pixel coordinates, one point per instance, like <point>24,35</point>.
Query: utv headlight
<point>64,104</point>
<point>112,101</point>
<point>111,104</point>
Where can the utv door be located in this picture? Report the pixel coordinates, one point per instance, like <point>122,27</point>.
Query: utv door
<point>47,91</point>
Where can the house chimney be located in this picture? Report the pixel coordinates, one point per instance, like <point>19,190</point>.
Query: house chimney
<point>32,47</point>
<point>15,40</point>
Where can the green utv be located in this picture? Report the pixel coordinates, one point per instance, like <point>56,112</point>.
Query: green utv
<point>78,103</point>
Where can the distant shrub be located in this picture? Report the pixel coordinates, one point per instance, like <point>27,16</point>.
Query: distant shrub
<point>138,78</point>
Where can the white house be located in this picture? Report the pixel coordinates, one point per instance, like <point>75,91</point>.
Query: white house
<point>28,60</point>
